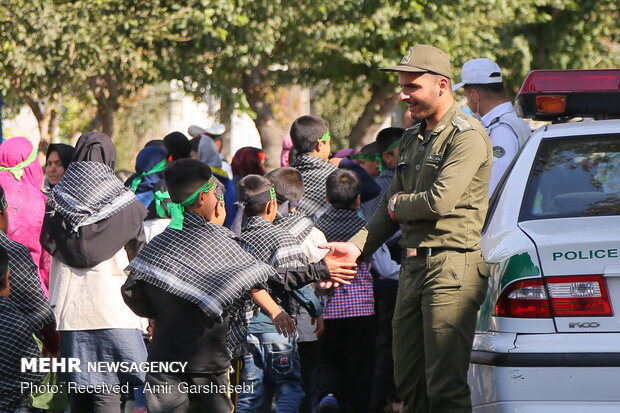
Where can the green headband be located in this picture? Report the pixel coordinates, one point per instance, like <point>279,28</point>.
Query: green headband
<point>157,168</point>
<point>177,210</point>
<point>392,146</point>
<point>364,157</point>
<point>326,136</point>
<point>18,170</point>
<point>369,158</point>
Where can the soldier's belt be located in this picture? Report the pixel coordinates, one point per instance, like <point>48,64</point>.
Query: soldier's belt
<point>432,251</point>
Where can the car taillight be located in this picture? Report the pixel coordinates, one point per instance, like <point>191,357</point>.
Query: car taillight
<point>524,299</point>
<point>576,296</point>
<point>572,296</point>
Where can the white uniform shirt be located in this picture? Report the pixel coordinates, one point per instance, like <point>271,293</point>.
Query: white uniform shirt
<point>506,136</point>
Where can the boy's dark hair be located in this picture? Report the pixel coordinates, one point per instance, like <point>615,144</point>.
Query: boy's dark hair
<point>178,145</point>
<point>343,188</point>
<point>306,132</point>
<point>184,177</point>
<point>4,265</point>
<point>288,183</point>
<point>247,188</point>
<point>386,137</point>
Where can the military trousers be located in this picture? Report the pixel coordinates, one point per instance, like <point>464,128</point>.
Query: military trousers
<point>433,329</point>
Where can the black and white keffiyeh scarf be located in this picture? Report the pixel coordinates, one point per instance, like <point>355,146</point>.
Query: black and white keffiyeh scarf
<point>16,341</point>
<point>277,247</point>
<point>26,291</point>
<point>272,244</point>
<point>205,265</point>
<point>296,223</point>
<point>314,172</point>
<point>340,225</point>
<point>89,192</point>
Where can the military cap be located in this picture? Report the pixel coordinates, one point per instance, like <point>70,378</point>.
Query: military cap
<point>423,58</point>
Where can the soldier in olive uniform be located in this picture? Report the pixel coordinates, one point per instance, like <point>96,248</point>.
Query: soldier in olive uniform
<point>438,198</point>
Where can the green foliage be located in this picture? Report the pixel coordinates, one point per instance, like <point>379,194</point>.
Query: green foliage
<point>341,109</point>
<point>136,122</point>
<point>75,118</point>
<point>243,50</point>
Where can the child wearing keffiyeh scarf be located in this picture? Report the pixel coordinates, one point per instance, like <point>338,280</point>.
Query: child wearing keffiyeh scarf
<point>311,140</point>
<point>289,190</point>
<point>194,280</point>
<point>349,312</point>
<point>16,342</point>
<point>274,355</point>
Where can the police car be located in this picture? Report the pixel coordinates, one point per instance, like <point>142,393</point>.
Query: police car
<point>548,334</point>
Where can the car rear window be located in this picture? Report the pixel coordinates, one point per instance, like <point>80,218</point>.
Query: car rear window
<point>574,177</point>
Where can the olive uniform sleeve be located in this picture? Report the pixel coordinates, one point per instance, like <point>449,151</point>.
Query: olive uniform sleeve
<point>380,226</point>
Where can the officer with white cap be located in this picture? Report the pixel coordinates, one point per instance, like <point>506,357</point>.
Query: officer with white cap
<point>486,97</point>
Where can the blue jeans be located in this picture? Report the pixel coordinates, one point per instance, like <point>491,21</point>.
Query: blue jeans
<point>271,368</point>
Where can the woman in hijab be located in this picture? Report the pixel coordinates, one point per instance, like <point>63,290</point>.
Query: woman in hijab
<point>21,177</point>
<point>57,161</point>
<point>248,161</point>
<point>150,189</point>
<point>92,230</point>
<point>208,153</point>
<point>150,165</point>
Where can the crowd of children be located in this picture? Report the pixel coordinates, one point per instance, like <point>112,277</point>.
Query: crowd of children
<point>250,293</point>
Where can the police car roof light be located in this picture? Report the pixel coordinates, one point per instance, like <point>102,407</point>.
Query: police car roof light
<point>554,104</point>
<point>569,93</point>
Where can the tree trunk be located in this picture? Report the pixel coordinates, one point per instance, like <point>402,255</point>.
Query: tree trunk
<point>47,119</point>
<point>226,113</point>
<point>271,133</point>
<point>104,91</point>
<point>381,103</point>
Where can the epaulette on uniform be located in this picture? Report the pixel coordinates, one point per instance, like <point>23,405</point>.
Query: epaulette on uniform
<point>414,129</point>
<point>461,124</point>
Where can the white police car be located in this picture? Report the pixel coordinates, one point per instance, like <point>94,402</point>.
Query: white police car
<point>548,334</point>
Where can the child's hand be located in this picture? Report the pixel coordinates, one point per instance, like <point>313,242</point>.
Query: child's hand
<point>320,326</point>
<point>284,323</point>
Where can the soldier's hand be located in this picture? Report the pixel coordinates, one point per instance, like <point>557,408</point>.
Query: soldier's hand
<point>391,205</point>
<point>341,263</point>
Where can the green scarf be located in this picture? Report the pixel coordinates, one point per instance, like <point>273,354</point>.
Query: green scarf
<point>160,197</point>
<point>157,168</point>
<point>177,210</point>
<point>18,170</point>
